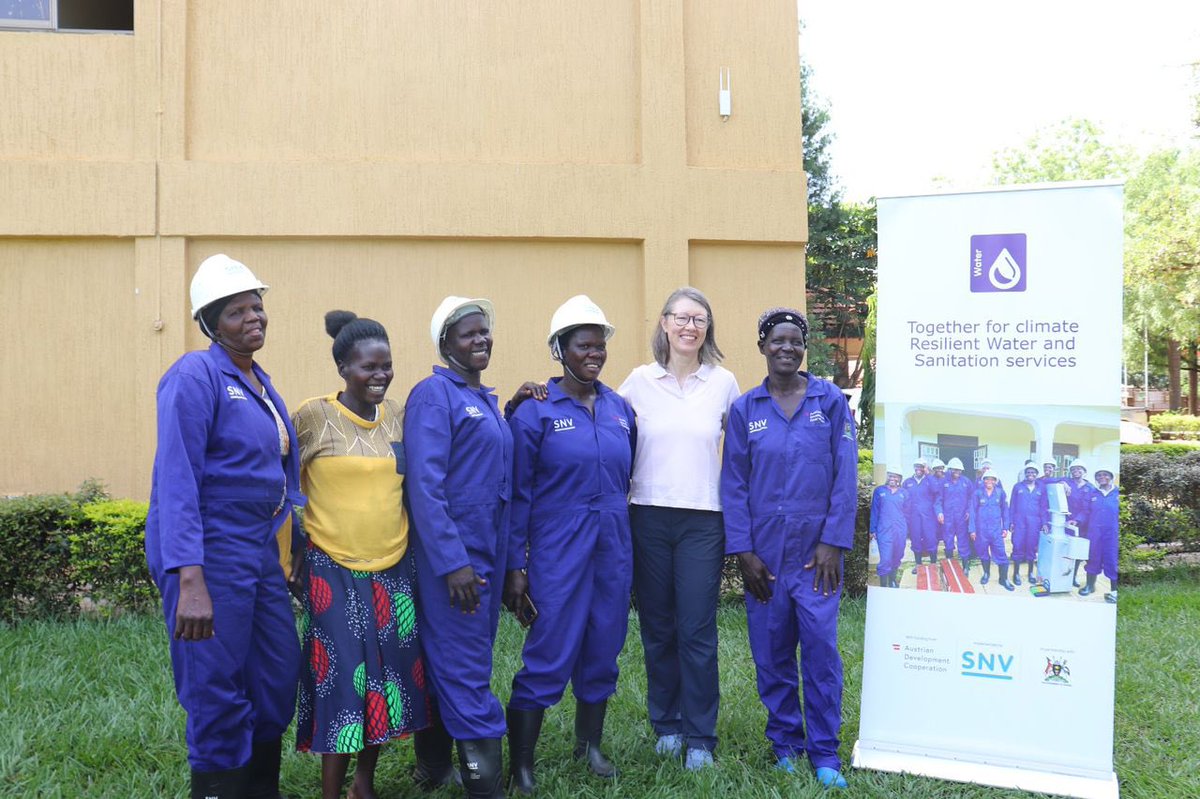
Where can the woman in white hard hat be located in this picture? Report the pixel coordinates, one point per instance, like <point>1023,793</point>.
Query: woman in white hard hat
<point>225,478</point>
<point>789,482</point>
<point>889,527</point>
<point>678,537</point>
<point>364,684</point>
<point>458,450</point>
<point>573,456</point>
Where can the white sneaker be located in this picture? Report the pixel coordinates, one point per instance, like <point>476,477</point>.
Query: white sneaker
<point>669,745</point>
<point>698,759</point>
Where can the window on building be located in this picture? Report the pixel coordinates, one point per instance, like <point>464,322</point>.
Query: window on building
<point>67,15</point>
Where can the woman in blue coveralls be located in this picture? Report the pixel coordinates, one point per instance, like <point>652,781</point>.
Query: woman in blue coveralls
<point>225,474</point>
<point>1103,511</point>
<point>572,459</point>
<point>458,450</point>
<point>788,489</point>
<point>988,526</point>
<point>889,527</point>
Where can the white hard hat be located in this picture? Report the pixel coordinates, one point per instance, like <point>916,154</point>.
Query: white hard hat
<point>988,473</point>
<point>1031,465</point>
<point>451,310</point>
<point>1079,463</point>
<point>579,310</point>
<point>1050,462</point>
<point>954,463</point>
<point>937,464</point>
<point>920,462</point>
<point>896,472</point>
<point>220,276</point>
<point>1104,469</point>
<point>984,463</point>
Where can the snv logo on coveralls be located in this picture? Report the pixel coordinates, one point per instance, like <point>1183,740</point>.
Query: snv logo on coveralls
<point>235,393</point>
<point>473,411</point>
<point>562,425</point>
<point>758,425</point>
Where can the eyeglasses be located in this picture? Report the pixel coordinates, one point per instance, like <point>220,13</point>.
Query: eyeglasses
<point>682,319</point>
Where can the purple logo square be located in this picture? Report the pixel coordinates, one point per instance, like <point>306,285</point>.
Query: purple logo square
<point>998,262</point>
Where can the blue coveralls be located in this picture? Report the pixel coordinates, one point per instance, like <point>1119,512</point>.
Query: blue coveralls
<point>220,490</point>
<point>571,471</point>
<point>989,519</point>
<point>458,451</point>
<point>1029,514</point>
<point>956,506</point>
<point>1079,505</point>
<point>924,506</point>
<point>787,484</point>
<point>889,525</point>
<point>1103,512</point>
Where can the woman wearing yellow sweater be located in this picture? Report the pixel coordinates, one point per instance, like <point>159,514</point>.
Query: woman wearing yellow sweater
<point>364,679</point>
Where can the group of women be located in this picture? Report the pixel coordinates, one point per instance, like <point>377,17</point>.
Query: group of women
<point>555,508</point>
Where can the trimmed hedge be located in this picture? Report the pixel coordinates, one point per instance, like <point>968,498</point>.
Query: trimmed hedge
<point>1166,449</point>
<point>1175,425</point>
<point>109,558</point>
<point>35,555</point>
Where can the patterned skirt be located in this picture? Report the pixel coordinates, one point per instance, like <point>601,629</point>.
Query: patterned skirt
<point>363,678</point>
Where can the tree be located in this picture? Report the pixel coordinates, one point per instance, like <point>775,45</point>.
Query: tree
<point>840,257</point>
<point>1162,233</point>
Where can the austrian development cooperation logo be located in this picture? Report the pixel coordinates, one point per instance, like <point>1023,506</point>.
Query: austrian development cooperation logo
<point>998,262</point>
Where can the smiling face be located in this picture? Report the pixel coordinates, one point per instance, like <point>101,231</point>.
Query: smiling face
<point>687,339</point>
<point>918,470</point>
<point>367,371</point>
<point>784,349</point>
<point>584,353</point>
<point>1103,479</point>
<point>1077,472</point>
<point>242,325</point>
<point>1030,474</point>
<point>467,344</point>
<point>893,480</point>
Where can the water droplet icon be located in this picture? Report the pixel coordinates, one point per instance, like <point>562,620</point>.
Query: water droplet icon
<point>1005,272</point>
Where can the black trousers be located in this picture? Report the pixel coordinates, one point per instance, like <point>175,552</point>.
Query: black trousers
<point>677,557</point>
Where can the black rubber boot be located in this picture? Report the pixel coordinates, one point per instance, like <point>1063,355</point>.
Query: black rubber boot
<point>589,729</point>
<point>229,784</point>
<point>885,580</point>
<point>434,749</point>
<point>986,565</point>
<point>896,579</point>
<point>263,781</point>
<point>1004,577</point>
<point>966,566</point>
<point>524,727</point>
<point>482,765</point>
<point>1075,574</point>
<point>1090,588</point>
<point>1016,572</point>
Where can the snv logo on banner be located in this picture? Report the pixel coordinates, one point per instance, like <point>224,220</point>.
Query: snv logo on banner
<point>988,665</point>
<point>998,262</point>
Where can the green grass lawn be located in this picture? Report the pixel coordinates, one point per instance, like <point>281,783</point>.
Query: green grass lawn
<point>87,709</point>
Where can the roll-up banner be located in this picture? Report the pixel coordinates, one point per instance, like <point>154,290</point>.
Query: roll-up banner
<point>991,624</point>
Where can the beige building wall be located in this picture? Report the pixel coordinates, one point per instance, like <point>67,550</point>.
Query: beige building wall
<point>377,156</point>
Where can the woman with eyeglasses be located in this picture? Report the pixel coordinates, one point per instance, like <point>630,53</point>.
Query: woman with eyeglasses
<point>675,510</point>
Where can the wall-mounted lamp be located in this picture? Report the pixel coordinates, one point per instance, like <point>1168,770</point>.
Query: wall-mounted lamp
<point>724,101</point>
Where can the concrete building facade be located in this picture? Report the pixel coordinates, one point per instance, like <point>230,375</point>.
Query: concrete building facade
<point>376,156</point>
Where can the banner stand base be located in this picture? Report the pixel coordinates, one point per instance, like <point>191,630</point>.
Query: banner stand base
<point>867,757</point>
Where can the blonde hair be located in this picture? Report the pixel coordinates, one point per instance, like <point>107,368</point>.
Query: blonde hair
<point>709,351</point>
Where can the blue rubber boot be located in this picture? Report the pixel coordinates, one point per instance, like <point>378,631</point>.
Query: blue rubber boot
<point>831,778</point>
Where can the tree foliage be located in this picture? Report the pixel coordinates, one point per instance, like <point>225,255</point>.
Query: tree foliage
<point>1162,229</point>
<point>840,258</point>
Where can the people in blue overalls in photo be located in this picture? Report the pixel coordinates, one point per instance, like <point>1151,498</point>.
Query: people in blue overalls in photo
<point>1079,505</point>
<point>1103,513</point>
<point>937,471</point>
<point>569,551</point>
<point>225,478</point>
<point>957,493</point>
<point>788,487</point>
<point>889,527</point>
<point>924,512</point>
<point>458,451</point>
<point>1048,478</point>
<point>989,524</point>
<point>1030,517</point>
